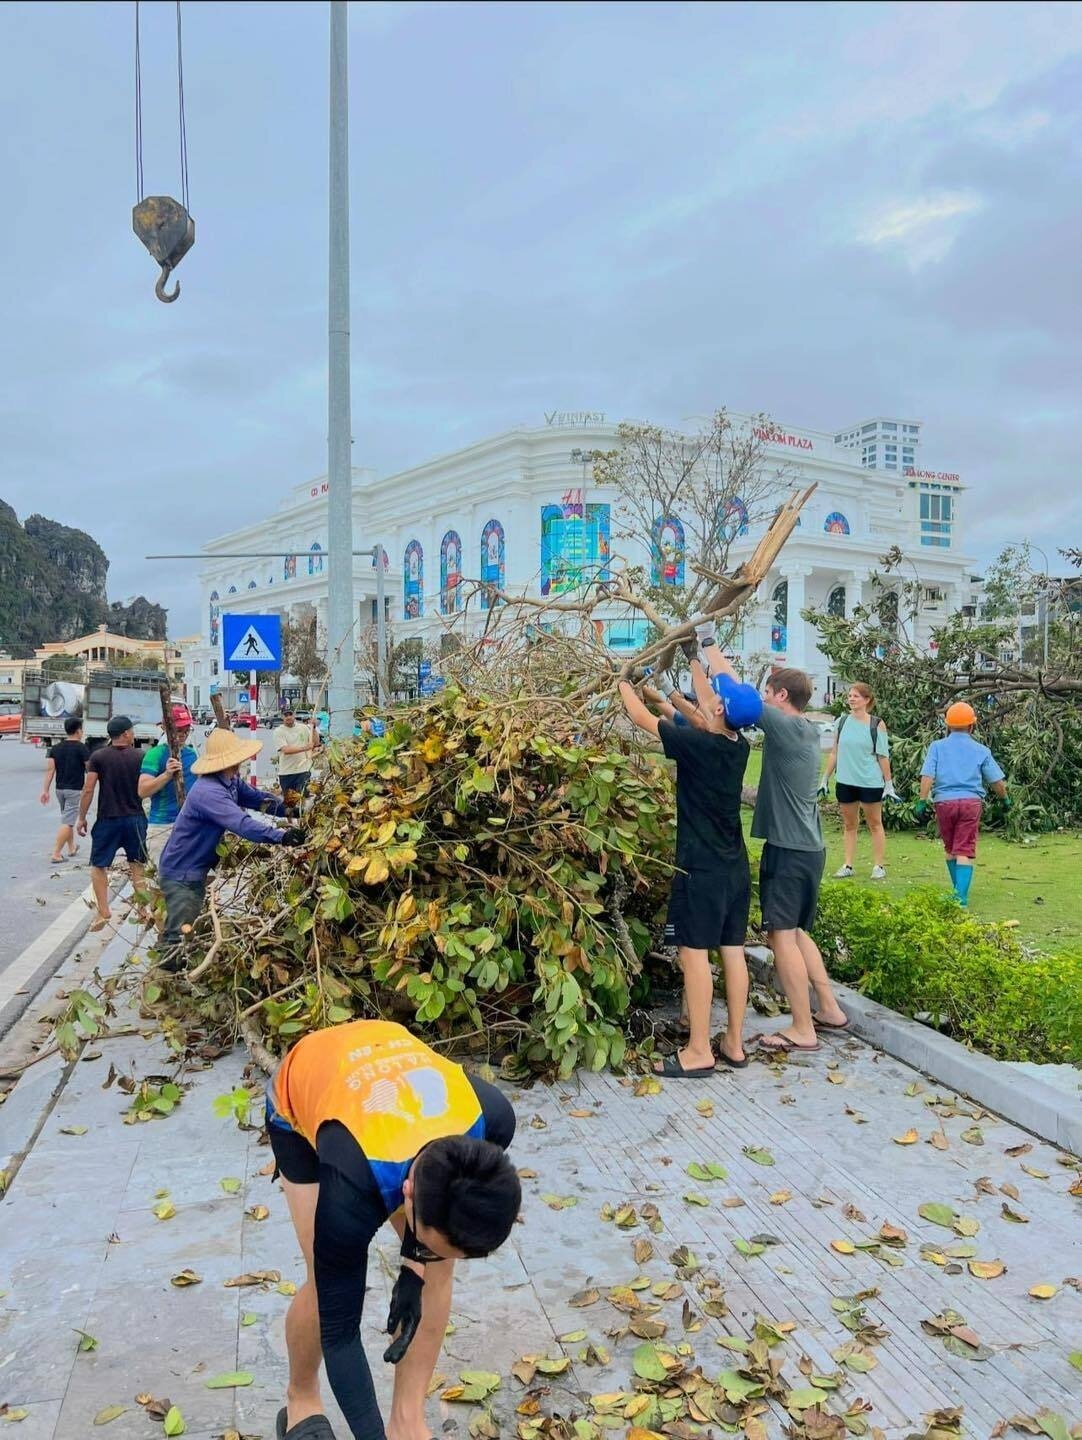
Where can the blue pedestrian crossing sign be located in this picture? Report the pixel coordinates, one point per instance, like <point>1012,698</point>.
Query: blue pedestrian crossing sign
<point>252,642</point>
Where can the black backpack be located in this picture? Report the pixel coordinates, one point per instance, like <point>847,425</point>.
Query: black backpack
<point>874,723</point>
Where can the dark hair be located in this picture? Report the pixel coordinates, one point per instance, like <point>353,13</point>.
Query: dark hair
<point>72,724</point>
<point>795,683</point>
<point>468,1191</point>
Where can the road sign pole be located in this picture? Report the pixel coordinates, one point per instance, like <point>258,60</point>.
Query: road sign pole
<point>253,698</point>
<point>341,618</point>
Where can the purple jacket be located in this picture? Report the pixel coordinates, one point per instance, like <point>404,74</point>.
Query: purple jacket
<point>211,807</point>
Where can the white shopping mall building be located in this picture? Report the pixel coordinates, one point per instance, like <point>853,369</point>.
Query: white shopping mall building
<point>522,511</point>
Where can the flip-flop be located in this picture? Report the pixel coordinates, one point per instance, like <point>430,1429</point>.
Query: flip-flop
<point>99,923</point>
<point>829,1024</point>
<point>728,1060</point>
<point>316,1427</point>
<point>671,1069</point>
<point>780,1044</point>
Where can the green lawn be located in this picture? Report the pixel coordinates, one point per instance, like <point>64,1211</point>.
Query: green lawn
<point>1032,883</point>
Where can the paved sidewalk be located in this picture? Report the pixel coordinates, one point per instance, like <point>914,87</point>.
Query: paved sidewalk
<point>81,1249</point>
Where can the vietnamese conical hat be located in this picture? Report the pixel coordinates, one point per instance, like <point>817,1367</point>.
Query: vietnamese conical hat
<point>223,749</point>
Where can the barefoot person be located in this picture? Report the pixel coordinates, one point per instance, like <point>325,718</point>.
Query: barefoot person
<point>711,891</point>
<point>787,818</point>
<point>368,1124</point>
<point>66,765</point>
<point>860,762</point>
<point>955,772</point>
<point>120,823</point>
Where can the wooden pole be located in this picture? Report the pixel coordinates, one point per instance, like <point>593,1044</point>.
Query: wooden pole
<point>219,712</point>
<point>170,729</point>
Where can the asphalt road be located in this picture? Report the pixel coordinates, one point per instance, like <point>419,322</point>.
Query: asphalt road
<point>35,891</point>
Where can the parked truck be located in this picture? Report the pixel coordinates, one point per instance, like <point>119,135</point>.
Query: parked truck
<point>48,702</point>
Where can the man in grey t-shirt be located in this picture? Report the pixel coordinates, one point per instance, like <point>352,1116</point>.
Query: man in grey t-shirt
<point>787,818</point>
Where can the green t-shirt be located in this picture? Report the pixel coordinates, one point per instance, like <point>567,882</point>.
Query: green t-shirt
<point>857,763</point>
<point>787,809</point>
<point>163,806</point>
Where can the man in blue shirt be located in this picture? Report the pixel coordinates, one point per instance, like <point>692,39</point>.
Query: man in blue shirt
<point>219,802</point>
<point>157,782</point>
<point>955,772</point>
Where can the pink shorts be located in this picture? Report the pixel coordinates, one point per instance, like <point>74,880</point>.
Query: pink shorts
<point>959,821</point>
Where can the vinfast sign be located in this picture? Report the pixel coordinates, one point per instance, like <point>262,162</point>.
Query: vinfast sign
<point>773,436</point>
<point>571,419</point>
<point>948,475</point>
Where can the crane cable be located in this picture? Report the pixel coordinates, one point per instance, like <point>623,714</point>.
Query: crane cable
<point>180,111</point>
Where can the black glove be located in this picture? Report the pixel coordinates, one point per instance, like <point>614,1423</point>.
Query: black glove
<point>404,1314</point>
<point>293,836</point>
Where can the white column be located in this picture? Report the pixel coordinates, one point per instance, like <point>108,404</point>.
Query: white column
<point>854,590</point>
<point>796,643</point>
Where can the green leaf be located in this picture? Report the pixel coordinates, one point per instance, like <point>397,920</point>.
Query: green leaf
<point>739,1388</point>
<point>111,1412</point>
<point>758,1154</point>
<point>230,1380</point>
<point>1075,1357</point>
<point>249,1317</point>
<point>230,1184</point>
<point>804,1398</point>
<point>73,1130</point>
<point>86,1342</point>
<point>174,1422</point>
<point>938,1214</point>
<point>647,1363</point>
<point>691,1198</point>
<point>1054,1426</point>
<point>748,1247</point>
<point>710,1171</point>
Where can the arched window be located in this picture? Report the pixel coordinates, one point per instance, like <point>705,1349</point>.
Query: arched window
<point>836,602</point>
<point>215,611</point>
<point>779,631</point>
<point>732,518</point>
<point>450,573</point>
<point>315,558</point>
<point>413,581</point>
<point>668,548</point>
<point>492,559</point>
<point>232,590</point>
<point>836,524</point>
<point>251,585</point>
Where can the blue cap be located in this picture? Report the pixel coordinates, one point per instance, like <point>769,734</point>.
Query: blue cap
<point>743,703</point>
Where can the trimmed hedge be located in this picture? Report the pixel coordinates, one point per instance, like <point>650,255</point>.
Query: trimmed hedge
<point>924,955</point>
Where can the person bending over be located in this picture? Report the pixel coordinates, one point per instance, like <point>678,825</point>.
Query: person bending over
<point>368,1124</point>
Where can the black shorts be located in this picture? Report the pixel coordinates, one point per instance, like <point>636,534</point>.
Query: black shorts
<point>709,908</point>
<point>859,794</point>
<point>110,836</point>
<point>789,887</point>
<point>299,1163</point>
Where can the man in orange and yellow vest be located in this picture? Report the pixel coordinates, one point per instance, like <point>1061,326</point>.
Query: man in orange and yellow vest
<point>367,1123</point>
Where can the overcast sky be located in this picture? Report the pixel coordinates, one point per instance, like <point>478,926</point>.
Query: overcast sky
<point>823,211</point>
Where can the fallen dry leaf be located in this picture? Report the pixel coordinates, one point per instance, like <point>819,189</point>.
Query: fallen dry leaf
<point>185,1277</point>
<point>781,1197</point>
<point>909,1138</point>
<point>254,1277</point>
<point>986,1269</point>
<point>843,1247</point>
<point>1043,1292</point>
<point>257,1212</point>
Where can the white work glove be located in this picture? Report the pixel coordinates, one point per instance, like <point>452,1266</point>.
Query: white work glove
<point>889,792</point>
<point>706,634</point>
<point>824,787</point>
<point>665,683</point>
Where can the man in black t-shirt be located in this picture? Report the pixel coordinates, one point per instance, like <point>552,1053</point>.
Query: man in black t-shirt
<point>121,823</point>
<point>66,764</point>
<point>711,892</point>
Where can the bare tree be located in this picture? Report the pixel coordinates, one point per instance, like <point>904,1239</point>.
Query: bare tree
<point>685,498</point>
<point>301,654</point>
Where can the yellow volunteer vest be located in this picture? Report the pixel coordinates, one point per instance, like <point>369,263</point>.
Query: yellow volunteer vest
<point>389,1089</point>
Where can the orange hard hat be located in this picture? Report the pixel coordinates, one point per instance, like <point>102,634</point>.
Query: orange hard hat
<point>959,715</point>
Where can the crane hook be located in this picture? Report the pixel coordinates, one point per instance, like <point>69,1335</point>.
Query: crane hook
<point>159,288</point>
